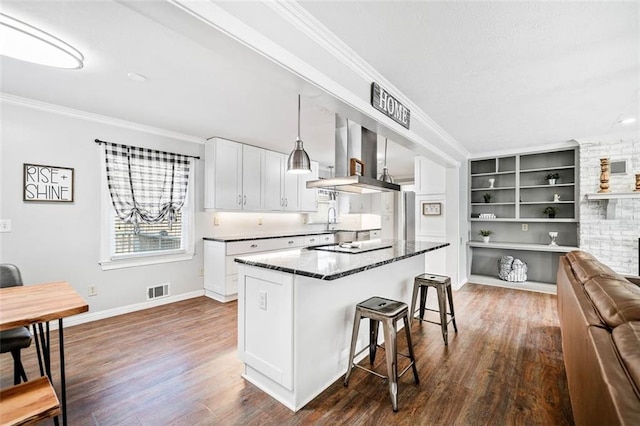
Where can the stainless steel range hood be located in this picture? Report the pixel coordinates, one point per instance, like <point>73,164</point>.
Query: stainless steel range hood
<point>354,141</point>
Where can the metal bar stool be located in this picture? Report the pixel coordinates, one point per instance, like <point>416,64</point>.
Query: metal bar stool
<point>442,284</point>
<point>387,311</point>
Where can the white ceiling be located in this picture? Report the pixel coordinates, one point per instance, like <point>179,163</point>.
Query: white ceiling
<point>494,75</point>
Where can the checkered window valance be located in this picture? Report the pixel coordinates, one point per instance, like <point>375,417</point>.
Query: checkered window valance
<point>146,186</point>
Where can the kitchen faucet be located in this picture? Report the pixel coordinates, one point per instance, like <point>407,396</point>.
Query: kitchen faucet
<point>329,217</point>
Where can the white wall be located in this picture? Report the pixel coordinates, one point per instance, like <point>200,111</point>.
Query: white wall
<point>612,241</point>
<point>61,241</point>
<point>437,184</point>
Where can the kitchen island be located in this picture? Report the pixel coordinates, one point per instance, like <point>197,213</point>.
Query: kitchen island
<point>296,309</point>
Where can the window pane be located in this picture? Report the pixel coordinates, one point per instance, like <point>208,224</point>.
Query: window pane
<point>152,236</point>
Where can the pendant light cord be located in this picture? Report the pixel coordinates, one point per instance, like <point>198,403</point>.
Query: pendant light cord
<point>385,152</point>
<point>298,116</point>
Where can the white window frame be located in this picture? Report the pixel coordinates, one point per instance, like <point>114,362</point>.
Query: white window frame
<point>109,260</point>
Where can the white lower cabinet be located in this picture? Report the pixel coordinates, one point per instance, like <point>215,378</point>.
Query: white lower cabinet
<point>318,240</point>
<point>220,270</point>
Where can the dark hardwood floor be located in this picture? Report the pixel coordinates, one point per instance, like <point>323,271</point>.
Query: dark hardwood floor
<point>177,365</point>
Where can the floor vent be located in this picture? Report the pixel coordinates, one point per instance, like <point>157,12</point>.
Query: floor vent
<point>161,290</point>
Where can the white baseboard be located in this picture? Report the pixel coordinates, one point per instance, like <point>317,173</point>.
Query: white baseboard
<point>95,316</point>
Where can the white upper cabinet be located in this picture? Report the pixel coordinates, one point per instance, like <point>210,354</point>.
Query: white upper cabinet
<point>360,203</point>
<point>244,177</point>
<point>233,176</point>
<point>273,181</point>
<point>252,170</point>
<point>430,178</point>
<point>383,203</point>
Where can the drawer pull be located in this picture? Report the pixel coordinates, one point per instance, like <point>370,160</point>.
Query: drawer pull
<point>291,242</point>
<point>254,245</point>
<point>312,240</point>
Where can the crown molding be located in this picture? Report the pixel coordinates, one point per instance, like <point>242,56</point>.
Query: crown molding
<point>305,22</point>
<point>218,18</point>
<point>97,118</point>
<point>525,150</point>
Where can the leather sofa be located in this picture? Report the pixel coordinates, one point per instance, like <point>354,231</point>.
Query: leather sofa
<point>599,313</point>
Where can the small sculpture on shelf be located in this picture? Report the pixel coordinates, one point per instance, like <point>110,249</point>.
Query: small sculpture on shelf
<point>553,235</point>
<point>487,197</point>
<point>556,198</point>
<point>491,182</point>
<point>551,211</point>
<point>486,234</point>
<point>551,178</point>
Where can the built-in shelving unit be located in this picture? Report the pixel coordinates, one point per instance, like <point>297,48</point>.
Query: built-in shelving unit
<point>508,195</point>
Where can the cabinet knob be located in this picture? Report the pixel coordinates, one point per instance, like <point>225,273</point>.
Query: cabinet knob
<point>254,245</point>
<point>290,242</point>
<point>312,240</point>
<point>286,202</point>
<point>240,199</point>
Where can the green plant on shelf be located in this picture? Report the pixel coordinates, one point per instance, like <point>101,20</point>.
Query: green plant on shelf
<point>487,197</point>
<point>553,176</point>
<point>551,211</point>
<point>485,232</point>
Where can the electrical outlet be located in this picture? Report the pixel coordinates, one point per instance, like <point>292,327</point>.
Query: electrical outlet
<point>92,290</point>
<point>525,227</point>
<point>202,272</point>
<point>263,300</point>
<point>216,221</point>
<point>259,221</point>
<point>5,225</point>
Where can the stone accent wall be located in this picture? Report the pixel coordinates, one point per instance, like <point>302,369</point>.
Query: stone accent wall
<point>614,242</point>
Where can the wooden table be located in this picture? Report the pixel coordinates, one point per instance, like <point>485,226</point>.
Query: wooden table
<point>39,304</point>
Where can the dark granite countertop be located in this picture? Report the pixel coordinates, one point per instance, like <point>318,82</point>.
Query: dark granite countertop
<point>231,238</point>
<point>327,265</point>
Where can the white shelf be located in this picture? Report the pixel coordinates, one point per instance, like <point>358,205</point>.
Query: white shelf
<point>522,246</point>
<point>510,219</point>
<point>546,186</point>
<point>546,169</point>
<point>546,202</point>
<point>612,195</point>
<point>538,287</point>
<point>493,173</point>
<point>493,204</point>
<point>493,189</point>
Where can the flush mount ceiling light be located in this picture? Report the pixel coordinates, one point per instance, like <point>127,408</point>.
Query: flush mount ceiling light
<point>22,41</point>
<point>298,159</point>
<point>627,120</point>
<point>136,77</point>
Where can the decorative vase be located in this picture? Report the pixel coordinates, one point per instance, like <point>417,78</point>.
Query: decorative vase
<point>604,175</point>
<point>486,239</point>
<point>553,235</point>
<point>491,182</point>
<point>552,181</point>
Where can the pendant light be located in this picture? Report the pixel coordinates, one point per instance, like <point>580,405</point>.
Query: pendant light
<point>385,176</point>
<point>298,159</point>
<point>22,41</point>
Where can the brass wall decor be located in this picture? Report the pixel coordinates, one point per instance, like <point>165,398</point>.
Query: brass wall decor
<point>637,182</point>
<point>604,175</point>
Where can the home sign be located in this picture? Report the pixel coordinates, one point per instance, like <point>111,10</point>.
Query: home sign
<point>387,104</point>
<point>47,183</point>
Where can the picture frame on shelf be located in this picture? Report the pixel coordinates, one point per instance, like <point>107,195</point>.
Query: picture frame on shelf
<point>431,209</point>
<point>356,167</point>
